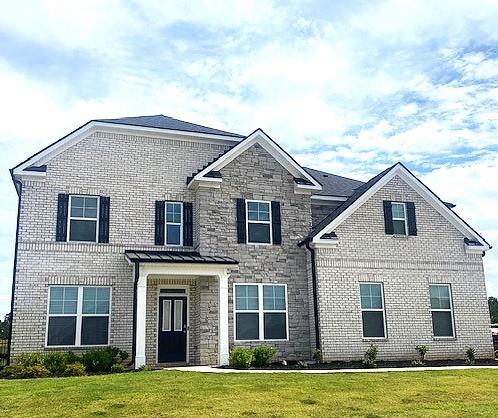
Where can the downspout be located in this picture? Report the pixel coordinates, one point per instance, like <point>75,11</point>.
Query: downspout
<point>18,186</point>
<point>315,294</point>
<point>134,331</point>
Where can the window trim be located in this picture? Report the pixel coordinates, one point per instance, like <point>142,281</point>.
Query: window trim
<point>451,310</point>
<point>78,218</point>
<point>400,219</point>
<point>383,310</point>
<point>166,223</point>
<point>269,222</point>
<point>79,315</point>
<point>261,312</point>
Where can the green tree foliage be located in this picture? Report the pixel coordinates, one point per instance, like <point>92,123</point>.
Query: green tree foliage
<point>493,309</point>
<point>5,327</point>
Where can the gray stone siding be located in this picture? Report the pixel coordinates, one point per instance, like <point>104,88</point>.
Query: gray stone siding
<point>406,266</point>
<point>255,174</point>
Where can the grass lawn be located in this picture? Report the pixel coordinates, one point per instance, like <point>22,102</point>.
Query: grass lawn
<point>469,393</point>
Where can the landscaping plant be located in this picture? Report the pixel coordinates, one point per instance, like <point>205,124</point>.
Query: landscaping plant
<point>422,351</point>
<point>470,353</point>
<point>241,358</point>
<point>75,369</point>
<point>370,357</point>
<point>102,360</point>
<point>262,355</point>
<point>317,356</point>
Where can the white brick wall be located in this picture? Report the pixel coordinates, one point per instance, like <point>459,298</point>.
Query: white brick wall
<point>406,266</point>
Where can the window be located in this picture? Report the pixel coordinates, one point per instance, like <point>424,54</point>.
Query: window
<point>441,310</point>
<point>260,312</point>
<point>399,218</point>
<point>174,220</point>
<point>372,310</point>
<point>83,218</point>
<point>258,222</point>
<point>78,316</point>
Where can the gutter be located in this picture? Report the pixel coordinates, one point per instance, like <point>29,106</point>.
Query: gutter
<point>18,186</point>
<point>134,329</point>
<point>315,294</point>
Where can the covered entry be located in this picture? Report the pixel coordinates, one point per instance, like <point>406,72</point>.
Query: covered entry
<point>180,307</point>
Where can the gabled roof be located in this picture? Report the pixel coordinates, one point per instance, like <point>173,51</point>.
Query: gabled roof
<point>334,185</point>
<point>167,122</point>
<point>303,180</point>
<point>159,125</point>
<point>365,191</point>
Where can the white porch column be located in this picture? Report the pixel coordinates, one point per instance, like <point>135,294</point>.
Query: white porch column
<point>140,325</point>
<point>223,319</point>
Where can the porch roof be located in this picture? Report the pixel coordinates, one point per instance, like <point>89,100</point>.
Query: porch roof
<point>176,257</point>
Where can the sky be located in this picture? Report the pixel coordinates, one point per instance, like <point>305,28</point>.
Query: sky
<point>346,87</point>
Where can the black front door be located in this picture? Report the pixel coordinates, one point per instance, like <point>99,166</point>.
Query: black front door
<point>172,333</point>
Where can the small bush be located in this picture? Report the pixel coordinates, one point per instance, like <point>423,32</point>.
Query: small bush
<point>144,368</point>
<point>117,368</point>
<point>301,365</point>
<point>29,359</point>
<point>56,363</point>
<point>16,371</point>
<point>72,358</point>
<point>470,354</point>
<point>102,360</point>
<point>318,356</point>
<point>75,369</point>
<point>241,358</point>
<point>370,357</point>
<point>422,351</point>
<point>262,355</point>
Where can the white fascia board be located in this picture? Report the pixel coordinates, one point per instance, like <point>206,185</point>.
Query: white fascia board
<point>421,189</point>
<point>275,151</point>
<point>328,198</point>
<point>324,243</point>
<point>89,128</point>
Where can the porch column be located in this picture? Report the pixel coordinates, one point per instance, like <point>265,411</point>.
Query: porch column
<point>140,327</point>
<point>223,319</point>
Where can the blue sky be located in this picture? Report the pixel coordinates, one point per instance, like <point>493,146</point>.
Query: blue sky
<point>347,87</point>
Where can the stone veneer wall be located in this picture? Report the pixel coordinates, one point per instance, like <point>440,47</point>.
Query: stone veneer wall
<point>255,174</point>
<point>406,266</point>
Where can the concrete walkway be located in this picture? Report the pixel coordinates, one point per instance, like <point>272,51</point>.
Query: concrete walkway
<point>209,369</point>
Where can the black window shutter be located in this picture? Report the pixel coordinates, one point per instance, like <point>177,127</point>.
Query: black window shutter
<point>104,219</point>
<point>388,217</point>
<point>188,233</point>
<point>62,208</point>
<point>412,219</point>
<point>275,223</point>
<point>241,221</point>
<point>159,235</point>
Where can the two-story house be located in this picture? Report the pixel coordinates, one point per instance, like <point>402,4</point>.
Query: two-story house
<point>177,242</point>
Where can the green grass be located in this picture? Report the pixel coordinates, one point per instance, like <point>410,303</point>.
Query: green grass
<point>469,393</point>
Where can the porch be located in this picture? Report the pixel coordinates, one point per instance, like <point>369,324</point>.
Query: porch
<point>180,308</point>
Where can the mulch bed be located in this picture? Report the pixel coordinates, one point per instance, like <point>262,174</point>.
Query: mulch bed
<point>337,365</point>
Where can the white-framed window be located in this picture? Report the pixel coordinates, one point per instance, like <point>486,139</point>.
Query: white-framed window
<point>258,222</point>
<point>260,312</point>
<point>442,310</point>
<point>400,223</point>
<point>83,219</point>
<point>372,310</point>
<point>78,315</point>
<point>174,223</point>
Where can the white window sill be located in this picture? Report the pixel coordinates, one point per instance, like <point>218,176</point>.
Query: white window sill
<point>444,338</point>
<point>367,339</point>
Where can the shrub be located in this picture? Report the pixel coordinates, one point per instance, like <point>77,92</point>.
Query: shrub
<point>144,368</point>
<point>470,354</point>
<point>262,355</point>
<point>16,371</point>
<point>75,369</point>
<point>29,359</point>
<point>317,356</point>
<point>370,357</point>
<point>241,358</point>
<point>56,363</point>
<point>72,358</point>
<point>117,368</point>
<point>102,360</point>
<point>422,351</point>
<point>301,365</point>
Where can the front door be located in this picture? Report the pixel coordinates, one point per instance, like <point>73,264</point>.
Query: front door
<point>172,333</point>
